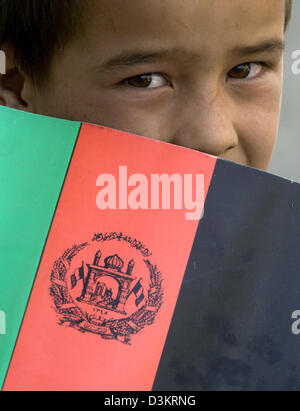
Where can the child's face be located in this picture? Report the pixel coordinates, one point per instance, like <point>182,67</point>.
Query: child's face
<point>205,74</point>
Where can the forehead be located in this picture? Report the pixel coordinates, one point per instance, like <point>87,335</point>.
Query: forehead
<point>203,24</point>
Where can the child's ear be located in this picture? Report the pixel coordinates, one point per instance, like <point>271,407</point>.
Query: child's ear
<point>11,85</point>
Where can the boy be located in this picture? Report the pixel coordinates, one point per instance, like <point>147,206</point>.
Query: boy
<point>205,74</point>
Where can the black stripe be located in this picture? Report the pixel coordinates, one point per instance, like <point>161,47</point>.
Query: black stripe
<point>231,329</point>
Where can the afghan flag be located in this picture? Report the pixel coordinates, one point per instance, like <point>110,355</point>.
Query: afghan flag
<point>132,264</point>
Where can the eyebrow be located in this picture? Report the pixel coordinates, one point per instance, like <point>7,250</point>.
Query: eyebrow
<point>129,58</point>
<point>270,46</point>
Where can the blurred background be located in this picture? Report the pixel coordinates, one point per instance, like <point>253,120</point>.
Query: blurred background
<point>286,159</point>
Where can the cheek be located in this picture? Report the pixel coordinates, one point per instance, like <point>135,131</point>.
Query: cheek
<point>259,136</point>
<point>258,121</point>
<point>101,108</point>
<point>144,119</point>
<point>60,101</point>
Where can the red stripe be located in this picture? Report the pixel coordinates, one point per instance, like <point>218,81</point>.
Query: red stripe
<point>49,356</point>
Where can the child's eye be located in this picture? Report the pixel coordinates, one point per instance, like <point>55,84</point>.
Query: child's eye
<point>246,71</point>
<point>151,80</point>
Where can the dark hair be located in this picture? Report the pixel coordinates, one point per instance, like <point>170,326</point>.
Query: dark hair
<point>288,12</point>
<point>34,29</point>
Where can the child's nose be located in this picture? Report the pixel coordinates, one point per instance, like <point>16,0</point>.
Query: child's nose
<point>208,126</point>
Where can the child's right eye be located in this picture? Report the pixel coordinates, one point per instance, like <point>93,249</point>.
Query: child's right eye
<point>150,80</point>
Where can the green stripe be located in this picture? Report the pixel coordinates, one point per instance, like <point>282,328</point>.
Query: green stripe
<point>35,152</point>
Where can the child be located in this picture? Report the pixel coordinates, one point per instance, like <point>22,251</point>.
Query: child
<point>205,74</point>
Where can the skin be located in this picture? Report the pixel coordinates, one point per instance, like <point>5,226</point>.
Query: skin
<point>194,97</point>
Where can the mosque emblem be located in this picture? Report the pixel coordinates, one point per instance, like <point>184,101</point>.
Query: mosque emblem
<point>105,295</point>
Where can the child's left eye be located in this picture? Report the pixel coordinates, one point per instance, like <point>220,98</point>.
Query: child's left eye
<point>246,71</point>
<point>150,80</point>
